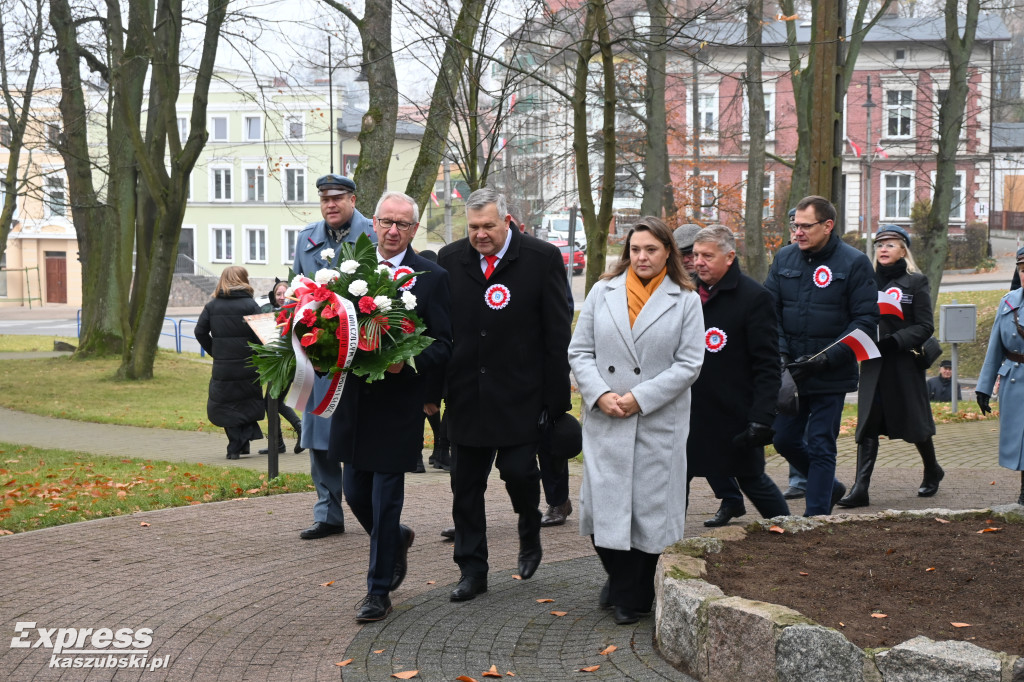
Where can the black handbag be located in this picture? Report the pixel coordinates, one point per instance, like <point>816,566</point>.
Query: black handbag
<point>927,353</point>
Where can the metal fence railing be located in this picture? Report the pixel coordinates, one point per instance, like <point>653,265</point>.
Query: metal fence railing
<point>177,330</point>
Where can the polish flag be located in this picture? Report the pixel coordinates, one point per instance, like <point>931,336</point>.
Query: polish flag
<point>881,152</point>
<point>889,306</point>
<point>433,197</point>
<point>857,151</point>
<point>861,344</point>
<point>455,193</point>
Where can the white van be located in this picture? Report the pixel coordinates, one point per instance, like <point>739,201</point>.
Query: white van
<point>557,226</point>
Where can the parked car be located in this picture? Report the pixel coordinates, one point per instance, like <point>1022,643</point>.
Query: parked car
<point>557,226</point>
<point>579,261</point>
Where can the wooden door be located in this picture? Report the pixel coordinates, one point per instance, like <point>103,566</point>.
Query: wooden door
<point>56,277</point>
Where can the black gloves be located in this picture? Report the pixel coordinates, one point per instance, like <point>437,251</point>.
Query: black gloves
<point>543,421</point>
<point>983,402</point>
<point>756,435</point>
<point>807,365</point>
<point>888,346</point>
<point>785,360</point>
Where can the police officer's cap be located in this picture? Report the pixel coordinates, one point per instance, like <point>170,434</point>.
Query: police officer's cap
<point>892,232</point>
<point>333,184</point>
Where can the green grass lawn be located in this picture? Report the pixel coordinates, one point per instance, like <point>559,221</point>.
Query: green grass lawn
<point>26,343</point>
<point>43,488</point>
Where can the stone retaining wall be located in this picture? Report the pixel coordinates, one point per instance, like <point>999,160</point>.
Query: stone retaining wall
<point>714,637</point>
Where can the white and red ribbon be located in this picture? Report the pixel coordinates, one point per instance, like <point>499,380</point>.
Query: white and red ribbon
<point>889,302</point>
<point>302,384</point>
<point>822,276</point>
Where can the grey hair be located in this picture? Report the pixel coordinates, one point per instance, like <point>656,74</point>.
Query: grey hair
<point>402,197</point>
<point>484,196</point>
<point>719,235</point>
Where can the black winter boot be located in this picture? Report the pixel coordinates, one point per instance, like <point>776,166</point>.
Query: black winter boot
<point>867,453</point>
<point>1020,500</point>
<point>933,473</point>
<point>298,440</point>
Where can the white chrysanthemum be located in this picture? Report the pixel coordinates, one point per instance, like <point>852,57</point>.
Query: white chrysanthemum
<point>383,303</point>
<point>324,276</point>
<point>409,300</point>
<point>327,254</point>
<point>349,266</point>
<point>358,288</point>
<point>383,268</point>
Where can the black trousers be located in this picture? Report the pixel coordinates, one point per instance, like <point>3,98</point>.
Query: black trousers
<point>517,465</point>
<point>630,577</point>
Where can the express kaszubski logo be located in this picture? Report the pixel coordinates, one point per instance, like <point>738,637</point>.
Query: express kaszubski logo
<point>90,647</point>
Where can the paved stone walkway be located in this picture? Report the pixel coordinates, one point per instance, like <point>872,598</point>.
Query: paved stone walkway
<point>232,593</point>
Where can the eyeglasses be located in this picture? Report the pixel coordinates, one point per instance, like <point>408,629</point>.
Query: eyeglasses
<point>794,227</point>
<point>387,224</point>
<point>887,245</point>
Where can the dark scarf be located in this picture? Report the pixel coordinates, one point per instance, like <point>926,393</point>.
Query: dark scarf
<point>887,273</point>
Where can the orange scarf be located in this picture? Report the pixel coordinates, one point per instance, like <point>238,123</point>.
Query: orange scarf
<point>637,293</point>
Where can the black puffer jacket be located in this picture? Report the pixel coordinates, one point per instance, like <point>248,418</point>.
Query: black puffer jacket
<point>235,395</point>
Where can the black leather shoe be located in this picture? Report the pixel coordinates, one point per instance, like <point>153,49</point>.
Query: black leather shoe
<point>448,533</point>
<point>838,491</point>
<point>420,469</point>
<point>556,514</point>
<point>530,554</point>
<point>402,560</point>
<point>374,607</point>
<point>794,493</point>
<point>605,600</point>
<point>468,588</point>
<point>930,484</point>
<point>321,529</point>
<point>266,451</point>
<point>233,455</point>
<point>624,616</point>
<point>298,441</point>
<point>724,515</point>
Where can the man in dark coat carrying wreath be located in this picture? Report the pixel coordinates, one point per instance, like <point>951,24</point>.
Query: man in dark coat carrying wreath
<point>734,397</point>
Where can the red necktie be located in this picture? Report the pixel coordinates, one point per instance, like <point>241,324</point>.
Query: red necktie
<point>387,263</point>
<point>491,260</point>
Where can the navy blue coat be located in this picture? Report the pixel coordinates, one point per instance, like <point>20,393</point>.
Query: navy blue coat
<point>814,313</point>
<point>379,426</point>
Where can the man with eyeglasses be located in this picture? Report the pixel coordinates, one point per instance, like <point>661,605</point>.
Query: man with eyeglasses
<point>341,223</point>
<point>377,429</point>
<point>823,290</point>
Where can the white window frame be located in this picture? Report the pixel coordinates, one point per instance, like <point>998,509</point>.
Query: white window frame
<point>246,133</point>
<point>6,135</point>
<point>705,95</point>
<point>288,254</point>
<point>51,182</point>
<point>768,208</point>
<point>958,211</point>
<point>769,115</point>
<point>300,185</point>
<point>898,109</point>
<point>182,123</point>
<point>940,84</point>
<point>289,119</point>
<point>229,232</point>
<point>214,170</point>
<point>260,231</point>
<point>703,212</point>
<point>883,195</point>
<point>258,193</point>
<point>213,128</point>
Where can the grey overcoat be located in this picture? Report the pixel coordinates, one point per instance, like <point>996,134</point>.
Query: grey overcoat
<point>634,469</point>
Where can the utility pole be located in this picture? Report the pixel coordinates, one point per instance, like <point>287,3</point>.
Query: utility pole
<point>869,247</point>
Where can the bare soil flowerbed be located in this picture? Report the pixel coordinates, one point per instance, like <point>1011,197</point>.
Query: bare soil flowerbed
<point>882,582</point>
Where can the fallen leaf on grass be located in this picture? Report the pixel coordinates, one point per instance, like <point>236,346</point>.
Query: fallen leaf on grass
<point>492,672</point>
<point>777,529</point>
<point>144,524</point>
<point>4,531</point>
<point>342,664</point>
<point>989,530</point>
<point>608,649</point>
<point>879,615</point>
<point>545,601</point>
<point>961,625</point>
<point>589,669</point>
<point>327,584</point>
<point>407,675</point>
<point>559,613</point>
<point>944,520</point>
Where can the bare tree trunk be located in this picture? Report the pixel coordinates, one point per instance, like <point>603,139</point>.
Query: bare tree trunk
<point>656,178</point>
<point>755,259</point>
<point>931,255</point>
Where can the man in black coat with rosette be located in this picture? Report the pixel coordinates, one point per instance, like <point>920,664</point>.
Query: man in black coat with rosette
<point>734,397</point>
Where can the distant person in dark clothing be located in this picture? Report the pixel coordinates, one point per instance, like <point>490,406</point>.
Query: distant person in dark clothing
<point>1015,282</point>
<point>273,304</point>
<point>236,399</point>
<point>940,388</point>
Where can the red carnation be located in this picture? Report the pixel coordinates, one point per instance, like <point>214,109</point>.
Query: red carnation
<point>408,326</point>
<point>321,294</point>
<point>308,317</point>
<point>310,338</point>
<point>367,305</point>
<point>283,316</point>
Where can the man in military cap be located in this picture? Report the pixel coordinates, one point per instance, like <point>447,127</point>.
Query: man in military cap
<point>940,388</point>
<point>342,223</point>
<point>684,236</point>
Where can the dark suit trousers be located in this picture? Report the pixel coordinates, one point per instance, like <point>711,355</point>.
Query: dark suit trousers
<point>376,501</point>
<point>517,465</point>
<point>555,480</point>
<point>630,577</point>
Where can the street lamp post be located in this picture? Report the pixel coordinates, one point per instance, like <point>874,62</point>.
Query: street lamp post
<point>868,149</point>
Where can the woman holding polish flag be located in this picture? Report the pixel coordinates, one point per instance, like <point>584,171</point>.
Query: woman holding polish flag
<point>892,398</point>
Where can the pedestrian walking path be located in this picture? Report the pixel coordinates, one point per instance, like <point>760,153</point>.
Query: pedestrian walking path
<point>230,592</point>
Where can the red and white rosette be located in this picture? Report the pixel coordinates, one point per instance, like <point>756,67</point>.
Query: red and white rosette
<point>715,339</point>
<point>895,293</point>
<point>348,333</point>
<point>822,276</point>
<point>497,296</point>
<point>400,272</point>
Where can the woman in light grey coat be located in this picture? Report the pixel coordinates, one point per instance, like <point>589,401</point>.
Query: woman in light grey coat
<point>637,349</point>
